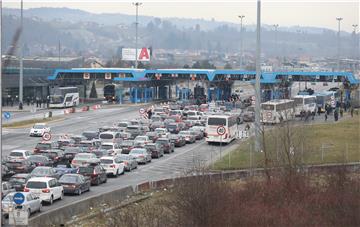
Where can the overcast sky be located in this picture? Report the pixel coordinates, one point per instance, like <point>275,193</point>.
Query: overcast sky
<point>285,13</point>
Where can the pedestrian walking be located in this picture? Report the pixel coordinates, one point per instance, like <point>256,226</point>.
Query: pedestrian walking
<point>326,116</point>
<point>336,115</point>
<point>319,110</point>
<point>313,115</point>
<point>341,112</point>
<point>352,111</point>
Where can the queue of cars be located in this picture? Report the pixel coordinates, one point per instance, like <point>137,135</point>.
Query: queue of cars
<point>71,164</point>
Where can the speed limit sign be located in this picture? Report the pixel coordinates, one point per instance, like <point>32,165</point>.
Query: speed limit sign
<point>142,111</point>
<point>46,136</point>
<point>221,130</point>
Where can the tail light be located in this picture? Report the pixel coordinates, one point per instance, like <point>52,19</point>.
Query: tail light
<point>46,190</point>
<point>36,150</point>
<point>73,162</point>
<point>93,174</point>
<point>126,163</point>
<point>112,166</point>
<point>141,156</point>
<point>39,164</point>
<point>26,190</point>
<point>56,158</point>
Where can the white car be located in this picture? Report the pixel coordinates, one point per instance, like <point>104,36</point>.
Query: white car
<point>46,188</point>
<point>113,165</point>
<point>162,132</point>
<point>142,140</point>
<point>31,204</point>
<point>18,155</point>
<point>109,146</point>
<point>39,129</point>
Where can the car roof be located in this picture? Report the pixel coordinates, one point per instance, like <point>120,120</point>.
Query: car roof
<point>18,151</point>
<point>40,124</point>
<point>108,157</point>
<point>71,174</point>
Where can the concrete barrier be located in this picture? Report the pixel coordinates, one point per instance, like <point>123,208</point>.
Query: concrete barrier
<point>61,215</point>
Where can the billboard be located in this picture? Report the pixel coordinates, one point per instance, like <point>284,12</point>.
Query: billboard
<point>128,54</point>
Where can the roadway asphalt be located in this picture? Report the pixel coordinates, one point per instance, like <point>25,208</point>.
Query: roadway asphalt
<point>171,165</point>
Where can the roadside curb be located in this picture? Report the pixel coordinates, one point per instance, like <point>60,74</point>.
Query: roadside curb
<point>30,124</point>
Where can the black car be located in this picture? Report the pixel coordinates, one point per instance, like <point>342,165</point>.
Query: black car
<point>166,144</point>
<point>20,166</point>
<point>96,173</point>
<point>75,183</point>
<point>40,160</point>
<point>56,155</point>
<point>45,145</point>
<point>126,146</point>
<point>45,171</point>
<point>156,149</point>
<point>19,180</point>
<point>178,140</point>
<point>70,152</point>
<point>90,135</point>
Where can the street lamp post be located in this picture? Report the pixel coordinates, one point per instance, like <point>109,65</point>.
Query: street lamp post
<point>258,146</point>
<point>276,38</point>
<point>241,40</point>
<point>356,47</point>
<point>136,4</point>
<point>21,77</point>
<point>339,19</point>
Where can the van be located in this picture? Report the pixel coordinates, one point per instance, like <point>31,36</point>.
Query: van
<point>109,136</point>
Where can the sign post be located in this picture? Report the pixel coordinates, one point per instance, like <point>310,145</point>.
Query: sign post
<point>18,216</point>
<point>220,131</point>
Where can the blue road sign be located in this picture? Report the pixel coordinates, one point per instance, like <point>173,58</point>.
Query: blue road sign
<point>19,198</point>
<point>7,115</point>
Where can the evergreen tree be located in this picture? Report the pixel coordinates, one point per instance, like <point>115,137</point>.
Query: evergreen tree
<point>93,93</point>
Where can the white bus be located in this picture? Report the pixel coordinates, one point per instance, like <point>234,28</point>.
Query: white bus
<point>229,122</point>
<point>277,111</point>
<point>304,103</point>
<point>63,97</point>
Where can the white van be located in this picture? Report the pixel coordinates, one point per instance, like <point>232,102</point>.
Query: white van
<point>46,188</point>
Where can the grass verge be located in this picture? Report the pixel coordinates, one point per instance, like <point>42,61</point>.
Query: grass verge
<point>27,123</point>
<point>317,144</point>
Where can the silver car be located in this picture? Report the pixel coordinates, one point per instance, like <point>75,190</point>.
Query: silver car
<point>141,155</point>
<point>31,204</point>
<point>129,161</point>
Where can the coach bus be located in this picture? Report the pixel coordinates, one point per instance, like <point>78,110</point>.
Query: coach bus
<point>277,111</point>
<point>326,97</point>
<point>229,122</point>
<point>304,103</point>
<point>63,97</point>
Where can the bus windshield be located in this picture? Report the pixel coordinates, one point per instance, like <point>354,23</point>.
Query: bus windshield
<point>56,99</point>
<point>216,121</point>
<point>267,107</point>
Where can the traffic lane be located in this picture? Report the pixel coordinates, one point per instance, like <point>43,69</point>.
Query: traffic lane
<point>170,165</point>
<point>72,124</point>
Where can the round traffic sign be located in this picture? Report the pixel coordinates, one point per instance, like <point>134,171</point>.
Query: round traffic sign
<point>7,115</point>
<point>19,198</point>
<point>142,110</point>
<point>253,102</point>
<point>332,97</point>
<point>221,130</point>
<point>46,136</point>
<point>268,115</point>
<point>253,98</point>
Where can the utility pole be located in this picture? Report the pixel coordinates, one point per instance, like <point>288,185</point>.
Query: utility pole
<point>59,53</point>
<point>356,46</point>
<point>1,159</point>
<point>257,81</point>
<point>339,19</point>
<point>21,78</point>
<point>136,4</point>
<point>276,38</point>
<point>241,40</point>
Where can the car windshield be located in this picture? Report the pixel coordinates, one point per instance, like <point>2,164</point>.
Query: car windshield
<point>9,197</point>
<point>137,151</point>
<point>43,146</point>
<point>16,154</point>
<point>216,121</point>
<point>141,138</point>
<point>89,135</point>
<point>150,146</point>
<point>107,146</point>
<point>185,133</point>
<point>106,136</point>
<point>36,185</point>
<point>86,170</point>
<point>51,154</point>
<point>17,180</point>
<point>37,158</point>
<point>122,125</point>
<point>162,141</point>
<point>40,171</point>
<point>83,156</point>
<point>68,179</point>
<point>125,157</point>
<point>38,126</point>
<point>106,161</point>
<point>133,128</point>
